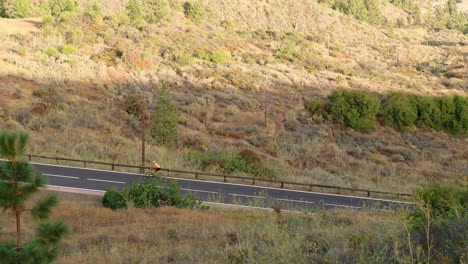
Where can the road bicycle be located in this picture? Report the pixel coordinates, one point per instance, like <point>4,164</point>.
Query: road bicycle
<point>152,173</point>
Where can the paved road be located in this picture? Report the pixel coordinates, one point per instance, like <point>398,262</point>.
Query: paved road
<point>216,192</point>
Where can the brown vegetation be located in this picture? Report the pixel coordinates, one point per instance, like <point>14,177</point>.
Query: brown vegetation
<point>76,105</point>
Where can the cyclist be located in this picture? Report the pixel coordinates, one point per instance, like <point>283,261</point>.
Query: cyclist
<point>155,167</point>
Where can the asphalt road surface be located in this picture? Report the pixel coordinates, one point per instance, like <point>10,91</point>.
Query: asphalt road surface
<point>216,192</point>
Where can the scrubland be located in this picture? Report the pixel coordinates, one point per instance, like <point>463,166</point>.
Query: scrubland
<point>69,80</point>
<point>171,235</point>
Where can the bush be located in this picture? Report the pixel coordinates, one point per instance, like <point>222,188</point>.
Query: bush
<point>51,52</point>
<point>195,11</point>
<point>156,10</point>
<point>22,51</point>
<point>149,193</point>
<point>229,164</point>
<point>47,19</point>
<point>135,13</point>
<point>114,199</point>
<point>454,111</point>
<point>56,8</point>
<point>319,108</point>
<point>441,214</point>
<point>428,114</point>
<point>93,9</point>
<point>185,59</point>
<point>228,24</point>
<point>15,8</point>
<point>354,109</point>
<point>400,112</point>
<point>218,57</point>
<point>69,49</point>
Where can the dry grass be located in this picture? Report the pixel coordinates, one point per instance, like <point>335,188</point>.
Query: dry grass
<point>80,110</point>
<point>170,235</point>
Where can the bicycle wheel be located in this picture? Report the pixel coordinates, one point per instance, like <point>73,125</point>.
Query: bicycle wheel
<point>149,174</point>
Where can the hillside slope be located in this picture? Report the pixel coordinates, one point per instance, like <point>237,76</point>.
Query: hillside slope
<point>275,55</point>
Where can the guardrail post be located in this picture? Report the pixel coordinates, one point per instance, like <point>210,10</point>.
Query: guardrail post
<point>196,176</point>
<point>56,159</point>
<point>113,167</point>
<point>368,193</point>
<point>225,178</point>
<point>84,163</point>
<point>30,158</point>
<point>282,184</point>
<point>253,181</point>
<point>310,187</point>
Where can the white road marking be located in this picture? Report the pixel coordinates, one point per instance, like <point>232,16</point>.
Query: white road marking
<point>190,190</point>
<point>81,189</point>
<point>297,201</point>
<point>61,176</point>
<point>347,206</point>
<point>89,179</point>
<point>243,195</point>
<point>223,183</point>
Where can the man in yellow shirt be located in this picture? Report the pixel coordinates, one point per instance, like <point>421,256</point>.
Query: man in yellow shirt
<point>156,167</point>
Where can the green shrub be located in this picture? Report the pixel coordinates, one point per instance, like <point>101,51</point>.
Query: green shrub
<point>195,11</point>
<point>149,193</point>
<point>156,10</point>
<point>56,8</point>
<point>15,8</point>
<point>22,51</point>
<point>428,113</point>
<point>354,109</point>
<point>135,13</point>
<point>288,49</point>
<point>114,199</point>
<point>218,57</point>
<point>228,164</point>
<point>47,19</point>
<point>185,59</point>
<point>51,52</point>
<point>441,214</point>
<point>318,108</point>
<point>454,111</point>
<point>400,112</point>
<point>69,49</point>
<point>93,9</point>
<point>228,24</point>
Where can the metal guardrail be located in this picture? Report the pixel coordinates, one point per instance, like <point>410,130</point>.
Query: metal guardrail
<point>254,181</point>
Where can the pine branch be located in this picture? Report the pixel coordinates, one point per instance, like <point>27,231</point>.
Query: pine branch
<point>42,209</point>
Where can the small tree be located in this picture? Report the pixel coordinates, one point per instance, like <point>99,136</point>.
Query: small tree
<point>134,10</point>
<point>165,119</point>
<point>18,182</point>
<point>15,8</point>
<point>157,10</point>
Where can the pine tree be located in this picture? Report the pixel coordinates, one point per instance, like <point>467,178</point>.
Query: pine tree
<point>165,119</point>
<point>18,182</point>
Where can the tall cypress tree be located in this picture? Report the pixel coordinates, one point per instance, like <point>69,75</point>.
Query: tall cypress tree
<point>165,119</point>
<point>18,182</point>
